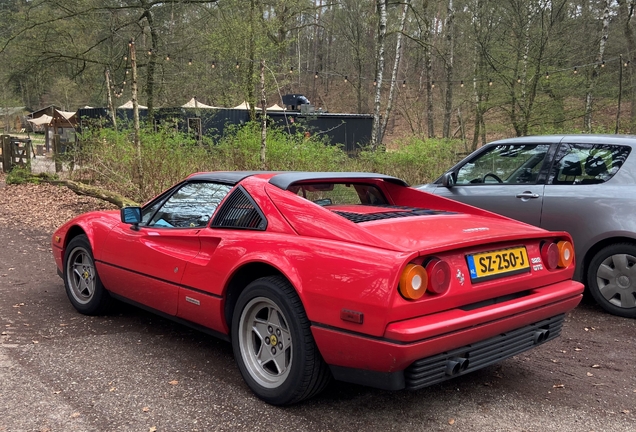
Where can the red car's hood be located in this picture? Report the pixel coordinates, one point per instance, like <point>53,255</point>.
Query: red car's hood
<point>445,230</point>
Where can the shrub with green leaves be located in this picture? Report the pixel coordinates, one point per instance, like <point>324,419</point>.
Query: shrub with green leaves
<point>414,160</point>
<point>108,157</point>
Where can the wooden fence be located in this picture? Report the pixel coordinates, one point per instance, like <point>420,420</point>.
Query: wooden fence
<point>14,152</point>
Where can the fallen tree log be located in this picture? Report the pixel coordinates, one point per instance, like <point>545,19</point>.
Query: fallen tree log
<point>95,192</point>
<point>83,189</point>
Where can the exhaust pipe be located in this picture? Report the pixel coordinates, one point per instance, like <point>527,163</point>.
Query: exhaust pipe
<point>456,365</point>
<point>540,336</point>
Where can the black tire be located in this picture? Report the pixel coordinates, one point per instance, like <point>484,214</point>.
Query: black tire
<point>611,279</point>
<point>291,369</point>
<point>83,286</point>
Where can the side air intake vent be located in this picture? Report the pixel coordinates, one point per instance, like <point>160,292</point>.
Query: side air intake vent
<point>241,212</point>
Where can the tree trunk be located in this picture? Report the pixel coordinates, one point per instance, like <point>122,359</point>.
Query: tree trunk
<point>111,107</point>
<point>625,12</point>
<point>152,60</point>
<point>594,75</point>
<point>396,66</point>
<point>84,189</point>
<point>429,82</point>
<point>376,132</point>
<point>263,117</point>
<point>450,41</point>
<point>138,174</point>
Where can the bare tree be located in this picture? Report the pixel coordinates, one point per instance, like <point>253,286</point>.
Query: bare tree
<point>376,133</point>
<point>394,73</point>
<point>450,41</point>
<point>626,12</point>
<point>595,70</point>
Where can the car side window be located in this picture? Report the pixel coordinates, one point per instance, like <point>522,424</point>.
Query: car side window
<point>191,206</point>
<point>587,163</point>
<point>506,164</point>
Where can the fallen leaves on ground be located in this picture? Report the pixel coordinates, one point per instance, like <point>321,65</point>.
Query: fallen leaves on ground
<point>43,207</point>
<point>174,382</point>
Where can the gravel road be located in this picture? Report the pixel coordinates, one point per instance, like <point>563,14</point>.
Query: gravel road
<point>133,371</point>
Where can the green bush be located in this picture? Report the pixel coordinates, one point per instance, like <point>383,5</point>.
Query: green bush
<point>414,160</point>
<point>108,158</point>
<point>20,175</point>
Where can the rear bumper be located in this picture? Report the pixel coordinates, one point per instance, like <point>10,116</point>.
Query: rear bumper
<point>416,352</point>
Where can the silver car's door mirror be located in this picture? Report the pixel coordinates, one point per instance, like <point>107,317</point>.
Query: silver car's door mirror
<point>448,180</point>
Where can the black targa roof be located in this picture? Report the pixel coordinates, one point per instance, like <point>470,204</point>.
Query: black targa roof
<point>225,177</point>
<point>284,180</point>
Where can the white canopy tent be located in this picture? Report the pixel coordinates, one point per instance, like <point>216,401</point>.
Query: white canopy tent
<point>129,105</point>
<point>245,106</point>
<point>194,103</point>
<point>42,120</point>
<point>275,107</point>
<point>66,114</point>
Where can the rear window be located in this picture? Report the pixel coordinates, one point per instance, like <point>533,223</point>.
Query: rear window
<point>587,163</point>
<point>326,194</point>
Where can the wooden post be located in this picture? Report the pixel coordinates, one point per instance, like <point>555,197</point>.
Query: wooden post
<point>6,153</point>
<point>57,148</point>
<point>47,141</point>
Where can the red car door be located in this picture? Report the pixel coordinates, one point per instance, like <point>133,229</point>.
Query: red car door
<point>146,263</point>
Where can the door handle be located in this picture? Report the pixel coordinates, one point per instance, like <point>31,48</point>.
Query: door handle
<point>527,195</point>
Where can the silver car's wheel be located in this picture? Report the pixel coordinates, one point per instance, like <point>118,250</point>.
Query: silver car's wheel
<point>265,342</point>
<point>612,279</point>
<point>83,286</point>
<point>273,345</point>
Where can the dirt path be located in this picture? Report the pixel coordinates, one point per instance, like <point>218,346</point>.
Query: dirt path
<point>61,371</point>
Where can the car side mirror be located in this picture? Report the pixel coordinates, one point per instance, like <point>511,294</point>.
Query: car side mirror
<point>448,180</point>
<point>131,215</point>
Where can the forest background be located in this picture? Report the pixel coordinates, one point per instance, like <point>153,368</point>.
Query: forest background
<point>475,69</point>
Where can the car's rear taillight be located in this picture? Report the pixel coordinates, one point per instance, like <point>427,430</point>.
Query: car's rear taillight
<point>413,282</point>
<point>439,276</point>
<point>566,253</point>
<point>557,255</point>
<point>550,255</point>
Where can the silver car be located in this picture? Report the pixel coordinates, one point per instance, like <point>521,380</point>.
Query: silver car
<point>582,184</point>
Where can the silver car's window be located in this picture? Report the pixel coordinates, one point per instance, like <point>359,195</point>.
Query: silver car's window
<point>576,164</point>
<point>506,164</point>
<point>191,206</point>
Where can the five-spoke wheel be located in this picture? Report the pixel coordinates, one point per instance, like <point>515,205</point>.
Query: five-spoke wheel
<point>83,286</point>
<point>265,342</point>
<point>273,344</point>
<point>611,279</point>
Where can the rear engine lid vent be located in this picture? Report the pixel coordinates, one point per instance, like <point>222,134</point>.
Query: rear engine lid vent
<point>400,212</point>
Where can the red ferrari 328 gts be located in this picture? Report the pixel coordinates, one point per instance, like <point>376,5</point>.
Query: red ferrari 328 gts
<point>311,276</point>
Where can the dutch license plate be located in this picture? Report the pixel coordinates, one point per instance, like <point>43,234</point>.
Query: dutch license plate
<point>505,262</point>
